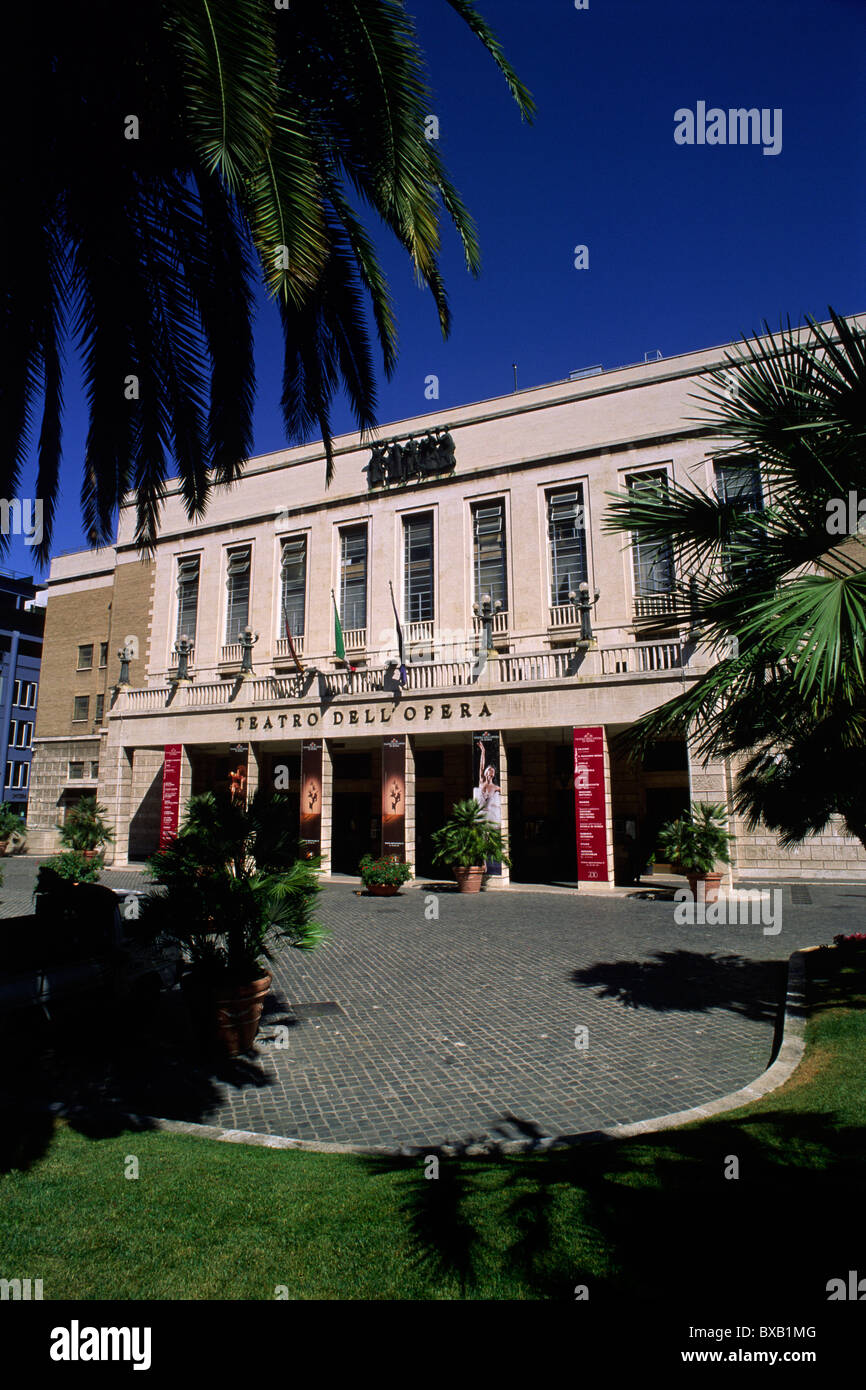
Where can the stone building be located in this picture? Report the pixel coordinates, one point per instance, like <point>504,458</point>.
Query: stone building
<point>484,523</point>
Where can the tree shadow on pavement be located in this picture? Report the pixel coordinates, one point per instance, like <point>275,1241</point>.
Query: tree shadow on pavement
<point>106,1069</point>
<point>690,982</point>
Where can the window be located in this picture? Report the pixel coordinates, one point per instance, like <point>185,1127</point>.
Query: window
<point>94,771</point>
<point>10,769</point>
<point>238,583</point>
<point>418,568</point>
<point>100,708</point>
<point>353,577</point>
<point>653,561</point>
<point>80,708</point>
<point>85,657</point>
<point>76,772</point>
<point>488,528</point>
<point>293,577</point>
<point>17,775</point>
<point>20,733</point>
<point>24,694</point>
<point>567,536</point>
<point>739,481</point>
<point>103,653</point>
<point>187,598</point>
<point>23,775</point>
<point>13,730</point>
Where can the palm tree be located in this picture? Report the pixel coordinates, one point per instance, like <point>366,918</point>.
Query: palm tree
<point>775,591</point>
<point>155,170</point>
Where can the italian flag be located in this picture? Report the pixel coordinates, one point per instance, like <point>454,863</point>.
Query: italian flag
<point>339,644</point>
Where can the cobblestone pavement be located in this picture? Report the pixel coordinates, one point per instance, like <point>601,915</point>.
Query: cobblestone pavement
<point>462,1025</point>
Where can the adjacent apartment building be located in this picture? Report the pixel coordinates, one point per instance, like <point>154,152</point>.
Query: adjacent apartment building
<point>22,619</point>
<point>475,535</point>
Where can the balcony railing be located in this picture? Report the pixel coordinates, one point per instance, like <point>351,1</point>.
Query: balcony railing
<point>500,623</point>
<point>641,656</point>
<point>230,652</point>
<point>517,669</point>
<point>281,647</point>
<point>564,615</point>
<point>355,638</point>
<point>421,633</point>
<point>654,605</point>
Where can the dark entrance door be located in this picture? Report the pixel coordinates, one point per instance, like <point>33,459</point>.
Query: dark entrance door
<point>429,816</point>
<point>355,831</point>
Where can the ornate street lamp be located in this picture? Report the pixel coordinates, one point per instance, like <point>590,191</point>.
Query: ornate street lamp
<point>586,605</point>
<point>486,612</point>
<point>248,641</point>
<point>183,649</point>
<point>125,654</point>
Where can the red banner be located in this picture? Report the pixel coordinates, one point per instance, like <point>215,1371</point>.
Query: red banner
<point>170,793</point>
<point>589,808</point>
<point>394,798</point>
<point>311,799</point>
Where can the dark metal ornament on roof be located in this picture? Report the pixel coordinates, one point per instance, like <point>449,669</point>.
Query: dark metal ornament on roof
<point>412,460</point>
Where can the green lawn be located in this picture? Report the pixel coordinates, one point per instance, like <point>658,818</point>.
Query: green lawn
<point>643,1219</point>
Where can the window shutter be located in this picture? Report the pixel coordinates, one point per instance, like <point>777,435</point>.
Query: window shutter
<point>294,584</point>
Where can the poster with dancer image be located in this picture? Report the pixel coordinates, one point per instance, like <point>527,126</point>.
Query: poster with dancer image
<point>311,799</point>
<point>487,790</point>
<point>394,798</point>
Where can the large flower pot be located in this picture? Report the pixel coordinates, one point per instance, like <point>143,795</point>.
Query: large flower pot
<point>712,883</point>
<point>238,1010</point>
<point>469,880</point>
<point>226,1015</point>
<point>383,890</point>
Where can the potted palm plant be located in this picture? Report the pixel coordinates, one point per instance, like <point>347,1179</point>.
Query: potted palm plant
<point>11,827</point>
<point>232,891</point>
<point>383,877</point>
<point>465,843</point>
<point>86,829</point>
<point>695,843</point>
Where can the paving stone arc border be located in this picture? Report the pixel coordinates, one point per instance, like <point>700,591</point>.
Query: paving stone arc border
<point>788,1058</point>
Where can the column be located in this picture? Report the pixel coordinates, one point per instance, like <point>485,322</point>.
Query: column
<point>114,791</point>
<point>410,805</point>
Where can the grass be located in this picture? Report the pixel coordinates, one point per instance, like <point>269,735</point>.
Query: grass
<point>642,1219</point>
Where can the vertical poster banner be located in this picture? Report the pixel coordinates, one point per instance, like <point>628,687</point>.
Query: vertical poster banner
<point>394,798</point>
<point>589,804</point>
<point>170,793</point>
<point>311,799</point>
<point>485,775</point>
<point>239,772</point>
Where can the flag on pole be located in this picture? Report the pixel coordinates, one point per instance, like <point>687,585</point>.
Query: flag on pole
<point>295,657</point>
<point>403,676</point>
<point>339,644</point>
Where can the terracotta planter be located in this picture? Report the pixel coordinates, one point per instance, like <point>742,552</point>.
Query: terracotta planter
<point>712,883</point>
<point>383,890</point>
<point>469,880</point>
<point>227,1015</point>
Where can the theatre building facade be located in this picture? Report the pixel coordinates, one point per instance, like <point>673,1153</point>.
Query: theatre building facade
<point>456,563</point>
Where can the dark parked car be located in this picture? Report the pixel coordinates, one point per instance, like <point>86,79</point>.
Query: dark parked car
<point>78,943</point>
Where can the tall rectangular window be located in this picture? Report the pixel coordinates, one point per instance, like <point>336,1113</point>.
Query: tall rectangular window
<point>103,654</point>
<point>653,561</point>
<point>353,577</point>
<point>85,657</point>
<point>739,481</point>
<point>418,568</point>
<point>567,537</point>
<point>293,578</point>
<point>100,708</point>
<point>17,697</point>
<point>187,598</point>
<point>488,529</point>
<point>238,584</point>
<point>80,708</point>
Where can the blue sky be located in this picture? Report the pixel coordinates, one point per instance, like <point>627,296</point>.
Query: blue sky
<point>689,246</point>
